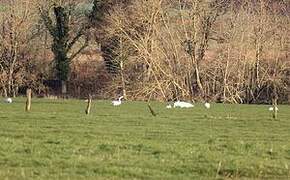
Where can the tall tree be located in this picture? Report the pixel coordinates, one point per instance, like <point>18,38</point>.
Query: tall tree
<point>63,42</point>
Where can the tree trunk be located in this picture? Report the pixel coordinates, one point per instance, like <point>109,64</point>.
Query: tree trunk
<point>225,83</point>
<point>257,65</point>
<point>5,92</point>
<point>123,80</point>
<point>198,81</point>
<point>10,76</point>
<point>63,88</point>
<point>79,91</point>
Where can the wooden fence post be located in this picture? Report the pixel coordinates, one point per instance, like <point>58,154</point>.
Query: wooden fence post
<point>151,110</point>
<point>28,100</point>
<point>88,109</point>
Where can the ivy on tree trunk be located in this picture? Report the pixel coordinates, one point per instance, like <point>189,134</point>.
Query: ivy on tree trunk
<point>62,41</point>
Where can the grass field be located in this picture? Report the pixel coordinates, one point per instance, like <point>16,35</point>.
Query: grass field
<point>56,140</point>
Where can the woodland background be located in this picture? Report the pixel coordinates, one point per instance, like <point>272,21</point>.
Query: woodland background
<point>234,51</point>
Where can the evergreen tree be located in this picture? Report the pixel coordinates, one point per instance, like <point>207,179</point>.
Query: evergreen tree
<point>62,41</point>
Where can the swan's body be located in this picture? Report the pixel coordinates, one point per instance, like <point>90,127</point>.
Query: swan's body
<point>207,105</point>
<point>118,102</point>
<point>182,104</point>
<point>8,100</point>
<point>272,108</point>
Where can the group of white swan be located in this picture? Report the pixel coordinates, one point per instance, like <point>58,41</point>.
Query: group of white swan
<point>183,104</point>
<point>176,104</point>
<point>180,104</point>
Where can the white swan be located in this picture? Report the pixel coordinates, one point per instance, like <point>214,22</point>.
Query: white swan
<point>207,105</point>
<point>118,102</point>
<point>182,104</point>
<point>8,100</point>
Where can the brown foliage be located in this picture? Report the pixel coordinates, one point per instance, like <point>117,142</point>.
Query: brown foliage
<point>238,55</point>
<point>226,51</point>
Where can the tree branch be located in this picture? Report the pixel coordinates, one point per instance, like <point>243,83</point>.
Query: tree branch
<point>47,21</point>
<point>76,53</point>
<point>79,34</point>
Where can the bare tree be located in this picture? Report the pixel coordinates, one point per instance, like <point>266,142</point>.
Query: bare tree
<point>17,22</point>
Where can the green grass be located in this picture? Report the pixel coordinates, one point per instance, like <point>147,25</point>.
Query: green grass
<point>56,140</point>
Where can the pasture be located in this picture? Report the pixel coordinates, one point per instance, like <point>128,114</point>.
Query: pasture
<point>56,140</point>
